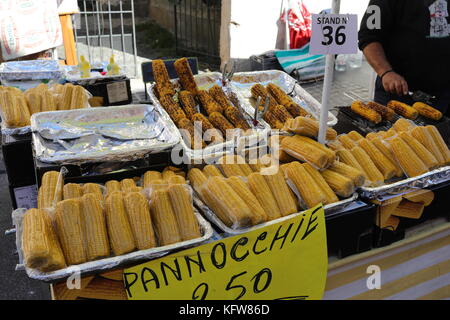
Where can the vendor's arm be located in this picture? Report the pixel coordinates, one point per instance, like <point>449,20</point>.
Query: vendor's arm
<point>371,41</point>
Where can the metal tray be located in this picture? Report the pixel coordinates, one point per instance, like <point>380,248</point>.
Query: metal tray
<point>243,81</point>
<point>426,180</point>
<point>30,70</point>
<point>211,216</point>
<point>102,134</point>
<point>106,264</point>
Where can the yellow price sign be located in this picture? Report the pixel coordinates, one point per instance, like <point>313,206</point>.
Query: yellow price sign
<point>286,260</point>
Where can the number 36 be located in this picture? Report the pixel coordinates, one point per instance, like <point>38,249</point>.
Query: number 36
<point>340,37</point>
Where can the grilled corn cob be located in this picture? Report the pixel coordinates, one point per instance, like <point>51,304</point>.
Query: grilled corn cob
<point>163,85</point>
<point>355,136</point>
<point>402,125</point>
<point>40,245</point>
<point>386,167</point>
<point>304,152</point>
<point>272,120</point>
<point>374,176</point>
<point>188,103</point>
<point>426,156</point>
<point>236,118</point>
<point>263,193</point>
<point>281,193</point>
<point>185,75</point>
<point>184,212</point>
<point>307,187</point>
<point>220,122</point>
<point>210,134</point>
<point>340,184</point>
<point>150,176</point>
<point>119,228</point>
<point>176,179</point>
<point>357,176</point>
<point>208,103</point>
<point>388,154</point>
<point>386,113</point>
<point>346,156</point>
<point>423,196</point>
<point>93,188</point>
<point>280,96</point>
<point>439,141</point>
<point>403,109</point>
<point>281,113</point>
<point>191,136</point>
<point>66,97</point>
<point>51,190</point>
<point>427,111</point>
<point>128,185</point>
<point>307,127</point>
<point>258,91</point>
<point>112,186</point>
<point>79,98</point>
<point>219,96</point>
<point>425,138</point>
<point>177,114</point>
<point>70,231</point>
<point>362,110</point>
<point>138,213</point>
<point>296,111</point>
<point>242,189</point>
<point>212,171</point>
<point>72,191</point>
<point>328,193</point>
<point>347,142</point>
<point>407,158</point>
<point>230,167</point>
<point>94,227</point>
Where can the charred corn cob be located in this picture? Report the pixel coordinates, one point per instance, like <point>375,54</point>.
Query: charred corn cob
<point>362,110</point>
<point>280,96</point>
<point>93,188</point>
<point>403,109</point>
<point>329,195</point>
<point>407,158</point>
<point>128,185</point>
<point>236,118</point>
<point>230,167</point>
<point>258,91</point>
<point>242,189</point>
<point>425,138</point>
<point>220,122</point>
<point>34,102</point>
<point>439,141</point>
<point>263,193</point>
<point>219,96</point>
<point>386,167</point>
<point>403,125</point>
<point>340,184</point>
<point>423,196</point>
<point>51,190</point>
<point>185,75</point>
<point>163,85</point>
<point>177,114</point>
<point>305,152</point>
<point>188,103</point>
<point>386,113</point>
<point>211,134</point>
<point>355,136</point>
<point>191,136</point>
<point>119,228</point>
<point>307,187</point>
<point>94,227</point>
<point>138,213</point>
<point>208,103</point>
<point>346,156</point>
<point>374,176</point>
<point>72,191</point>
<point>281,193</point>
<point>347,142</point>
<point>307,127</point>
<point>427,111</point>
<point>281,113</point>
<point>176,179</point>
<point>79,98</point>
<point>357,176</point>
<point>408,209</point>
<point>112,186</point>
<point>388,154</point>
<point>426,156</point>
<point>212,171</point>
<point>40,245</point>
<point>69,227</point>
<point>66,97</point>
<point>296,111</point>
<point>272,120</point>
<point>181,200</point>
<point>150,176</point>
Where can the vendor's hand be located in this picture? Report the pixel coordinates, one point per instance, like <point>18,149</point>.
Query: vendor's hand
<point>395,84</point>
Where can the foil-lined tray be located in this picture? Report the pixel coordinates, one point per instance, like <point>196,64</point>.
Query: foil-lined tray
<point>426,180</point>
<point>204,82</point>
<point>122,133</point>
<point>30,70</point>
<point>104,265</point>
<point>242,83</point>
<point>211,216</point>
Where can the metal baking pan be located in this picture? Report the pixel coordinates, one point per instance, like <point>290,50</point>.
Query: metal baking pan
<point>104,265</point>
<point>243,81</point>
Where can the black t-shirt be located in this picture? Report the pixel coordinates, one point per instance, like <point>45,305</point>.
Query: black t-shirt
<point>415,35</point>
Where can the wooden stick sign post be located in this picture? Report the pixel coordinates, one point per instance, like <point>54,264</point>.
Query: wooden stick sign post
<point>286,260</point>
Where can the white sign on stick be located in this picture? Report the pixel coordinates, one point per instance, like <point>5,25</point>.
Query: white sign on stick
<point>334,34</point>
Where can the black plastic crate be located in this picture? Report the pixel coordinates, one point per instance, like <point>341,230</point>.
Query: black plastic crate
<point>113,92</point>
<point>18,158</point>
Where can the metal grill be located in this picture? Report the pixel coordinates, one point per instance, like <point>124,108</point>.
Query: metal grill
<point>104,27</point>
<point>197,28</point>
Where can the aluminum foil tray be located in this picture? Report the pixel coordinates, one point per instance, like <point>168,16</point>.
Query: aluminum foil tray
<point>30,70</point>
<point>211,216</point>
<point>122,133</point>
<point>426,180</point>
<point>104,265</point>
<point>243,81</point>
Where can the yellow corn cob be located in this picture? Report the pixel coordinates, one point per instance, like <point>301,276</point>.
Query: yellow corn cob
<point>281,193</point>
<point>70,231</point>
<point>158,185</point>
<point>14,90</point>
<point>304,152</point>
<point>439,141</point>
<point>427,111</point>
<point>423,196</point>
<point>385,210</point>
<point>162,79</point>
<point>272,120</point>
<point>258,91</point>
<point>408,209</point>
<point>347,142</point>
<point>426,156</point>
<point>385,112</point>
<point>181,200</point>
<point>220,122</point>
<point>307,187</point>
<point>93,188</point>
<point>263,193</point>
<point>374,176</point>
<point>355,136</point>
<point>185,75</point>
<point>191,136</point>
<point>219,96</point>
<point>150,176</point>
<point>335,145</point>
<point>167,174</point>
<point>128,185</point>
<point>212,171</point>
<point>281,113</point>
<point>388,154</point>
<point>363,111</point>
<point>329,195</point>
<point>346,156</point>
<point>138,213</point>
<point>51,190</point>
<point>236,118</point>
<point>163,217</point>
<point>403,109</point>
<point>176,179</point>
<point>372,135</point>
<point>10,112</point>
<point>94,227</point>
<point>209,104</point>
<point>407,158</point>
<point>307,127</point>
<point>66,97</point>
<point>197,178</point>
<point>79,98</point>
<point>112,186</point>
<point>34,102</point>
<point>425,138</point>
<point>230,167</point>
<point>255,165</point>
<point>383,164</point>
<point>22,108</point>
<point>331,155</point>
<point>72,191</point>
<point>243,165</point>
<point>390,133</point>
<point>188,103</point>
<point>56,88</point>
<point>403,125</point>
<point>357,176</point>
<point>341,185</point>
<point>40,245</point>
